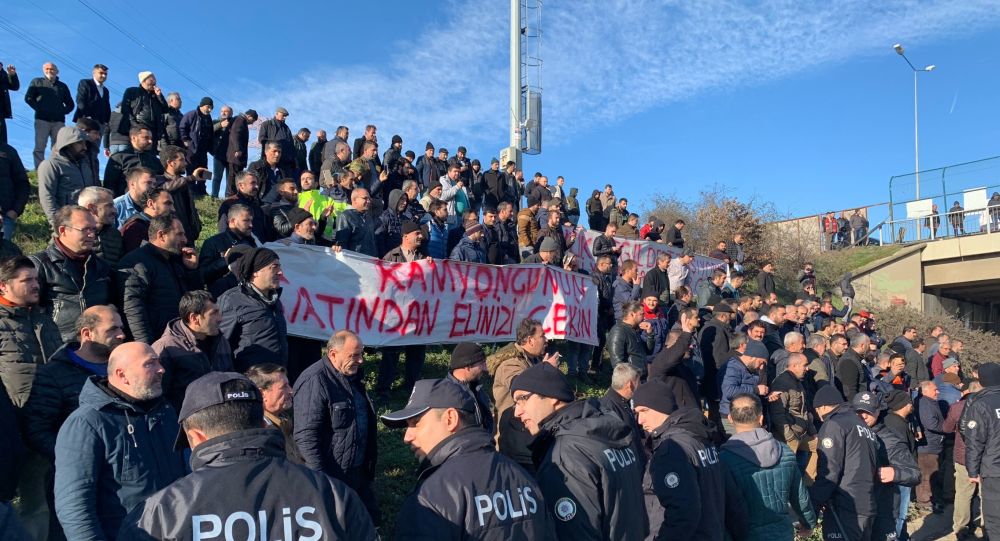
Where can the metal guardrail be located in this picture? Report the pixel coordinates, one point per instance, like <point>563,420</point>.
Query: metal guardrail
<point>979,221</point>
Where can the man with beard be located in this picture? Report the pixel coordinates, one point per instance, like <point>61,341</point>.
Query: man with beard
<point>247,188</point>
<point>214,251</point>
<point>101,204</point>
<point>191,346</point>
<point>355,230</point>
<point>116,450</point>
<point>158,274</point>
<point>276,130</point>
<point>253,320</point>
<point>287,199</point>
<point>388,226</point>
<point>316,152</point>
<point>269,170</point>
<point>467,368</point>
<point>64,173</point>
<point>139,154</point>
<point>220,146</point>
<point>587,467</point>
<point>181,188</point>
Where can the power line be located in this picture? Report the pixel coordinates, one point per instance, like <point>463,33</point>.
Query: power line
<point>88,38</point>
<point>138,42</point>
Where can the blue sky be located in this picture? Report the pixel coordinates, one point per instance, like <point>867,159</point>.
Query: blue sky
<point>801,104</point>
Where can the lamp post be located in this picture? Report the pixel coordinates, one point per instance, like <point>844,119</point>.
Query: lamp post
<point>916,137</point>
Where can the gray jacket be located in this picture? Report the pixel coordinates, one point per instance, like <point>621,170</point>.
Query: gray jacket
<point>61,179</point>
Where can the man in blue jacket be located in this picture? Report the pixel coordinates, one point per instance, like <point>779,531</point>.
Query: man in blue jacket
<point>116,449</point>
<point>740,376</point>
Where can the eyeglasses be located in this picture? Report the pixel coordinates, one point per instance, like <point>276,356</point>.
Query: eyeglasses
<point>85,230</point>
<point>523,398</point>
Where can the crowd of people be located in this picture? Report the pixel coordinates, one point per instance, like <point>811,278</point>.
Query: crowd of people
<point>151,389</point>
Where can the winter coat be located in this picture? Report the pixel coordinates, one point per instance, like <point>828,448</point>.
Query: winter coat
<point>670,367</point>
<point>274,131</point>
<point>624,346</point>
<point>848,466</point>
<point>196,131</point>
<point>604,245</point>
<point>852,376</point>
<point>268,176</point>
<point>54,396</point>
<point>388,228</point>
<point>316,156</point>
<point>622,408</point>
<point>260,228</point>
<point>142,108</point>
<point>220,139</point>
<point>770,481</point>
<point>51,100</point>
<point>980,427</point>
<point>454,495</point>
<point>211,264</point>
<point>11,455</point>
<point>656,282</point>
<point>121,163</point>
<point>623,293</point>
<point>892,452</point>
<point>931,416</point>
<point>736,379</point>
<point>154,282</point>
<point>171,128</point>
<point>527,228</point>
<point>468,251</point>
<point>714,345</point>
<point>14,185</point>
<point>301,154</point>
<point>184,361</point>
<point>239,139</point>
<point>689,493</point>
<point>254,326</point>
<point>27,338</point>
<point>356,232</point>
<point>110,245</point>
<point>765,284</point>
<point>327,429</point>
<point>92,102</point>
<point>110,456</point>
<point>791,416</point>
<point>589,474</point>
<point>248,470</point>
<point>439,239</point>
<point>678,274</point>
<point>916,367</point>
<point>8,82</point>
<point>184,208</point>
<point>952,423</point>
<point>674,237</point>
<point>513,439</point>
<point>484,407</point>
<point>60,179</point>
<point>65,292</point>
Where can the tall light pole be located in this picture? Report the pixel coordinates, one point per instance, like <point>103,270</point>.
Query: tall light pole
<point>916,133</point>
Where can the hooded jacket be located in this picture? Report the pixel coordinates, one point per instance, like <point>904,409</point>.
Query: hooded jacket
<point>770,481</point>
<point>27,338</point>
<point>254,326</point>
<point>65,291</point>
<point>54,396</point>
<point>388,228</point>
<point>110,456</point>
<point>466,490</point>
<point>590,474</point>
<point>848,465</point>
<point>246,473</point>
<point>184,360</point>
<point>689,493</point>
<point>60,179</point>
<point>155,281</point>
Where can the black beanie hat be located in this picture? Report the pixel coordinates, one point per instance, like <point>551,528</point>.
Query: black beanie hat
<point>545,380</point>
<point>466,354</point>
<point>989,374</point>
<point>827,395</point>
<point>396,139</point>
<point>206,101</point>
<point>298,215</point>
<point>255,260</point>
<point>429,146</point>
<point>655,395</point>
<point>897,399</point>
<point>408,227</point>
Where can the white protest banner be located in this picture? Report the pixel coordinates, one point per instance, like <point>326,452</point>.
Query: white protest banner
<point>644,253</point>
<point>429,301</point>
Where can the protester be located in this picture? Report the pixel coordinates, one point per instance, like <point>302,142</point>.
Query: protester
<point>155,202</point>
<point>466,369</point>
<point>335,421</point>
<point>931,417</point>
<point>791,416</point>
<point>585,460</point>
<point>623,340</point>
<point>50,99</point>
<point>182,188</point>
<point>247,189</point>
<point>272,381</point>
<point>221,130</point>
<point>965,488</point>
<point>98,453</point>
<point>237,155</point>
<point>238,465</point>
<point>253,319</point>
<point>355,230</point>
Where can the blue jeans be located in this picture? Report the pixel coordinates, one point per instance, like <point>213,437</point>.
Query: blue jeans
<point>904,506</point>
<point>219,168</point>
<point>9,225</point>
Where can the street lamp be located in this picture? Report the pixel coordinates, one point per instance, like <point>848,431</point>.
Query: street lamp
<point>916,138</point>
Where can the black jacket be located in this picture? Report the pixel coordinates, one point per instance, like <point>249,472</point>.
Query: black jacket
<point>590,474</point>
<point>254,326</point>
<point>247,472</point>
<point>980,428</point>
<point>622,407</point>
<point>624,346</point>
<point>120,163</point>
<point>714,344</point>
<point>211,264</point>
<point>91,103</point>
<point>765,284</point>
<point>268,178</point>
<point>51,100</point>
<point>143,109</point>
<point>316,156</point>
<point>171,128</point>
<point>893,452</point>
<point>656,282</point>
<point>668,366</point>
<point>852,375</point>
<point>239,140</point>
<point>154,282</point>
<point>260,226</point>
<point>277,132</point>
<point>689,492</point>
<point>220,139</point>
<point>11,449</point>
<point>484,407</point>
<point>466,490</point>
<point>8,82</point>
<point>931,417</point>
<point>326,421</point>
<point>65,291</point>
<point>14,187</point>
<point>55,395</point>
<point>848,465</point>
<point>356,232</point>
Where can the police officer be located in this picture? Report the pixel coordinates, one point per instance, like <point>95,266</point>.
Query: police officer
<point>980,427</point>
<point>467,368</point>
<point>685,483</point>
<point>587,466</point>
<point>241,486</point>
<point>466,490</point>
<point>848,472</point>
<point>896,466</point>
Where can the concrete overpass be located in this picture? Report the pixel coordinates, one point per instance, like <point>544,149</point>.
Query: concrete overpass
<point>957,276</point>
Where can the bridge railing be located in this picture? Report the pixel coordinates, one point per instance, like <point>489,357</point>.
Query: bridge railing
<point>985,220</point>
